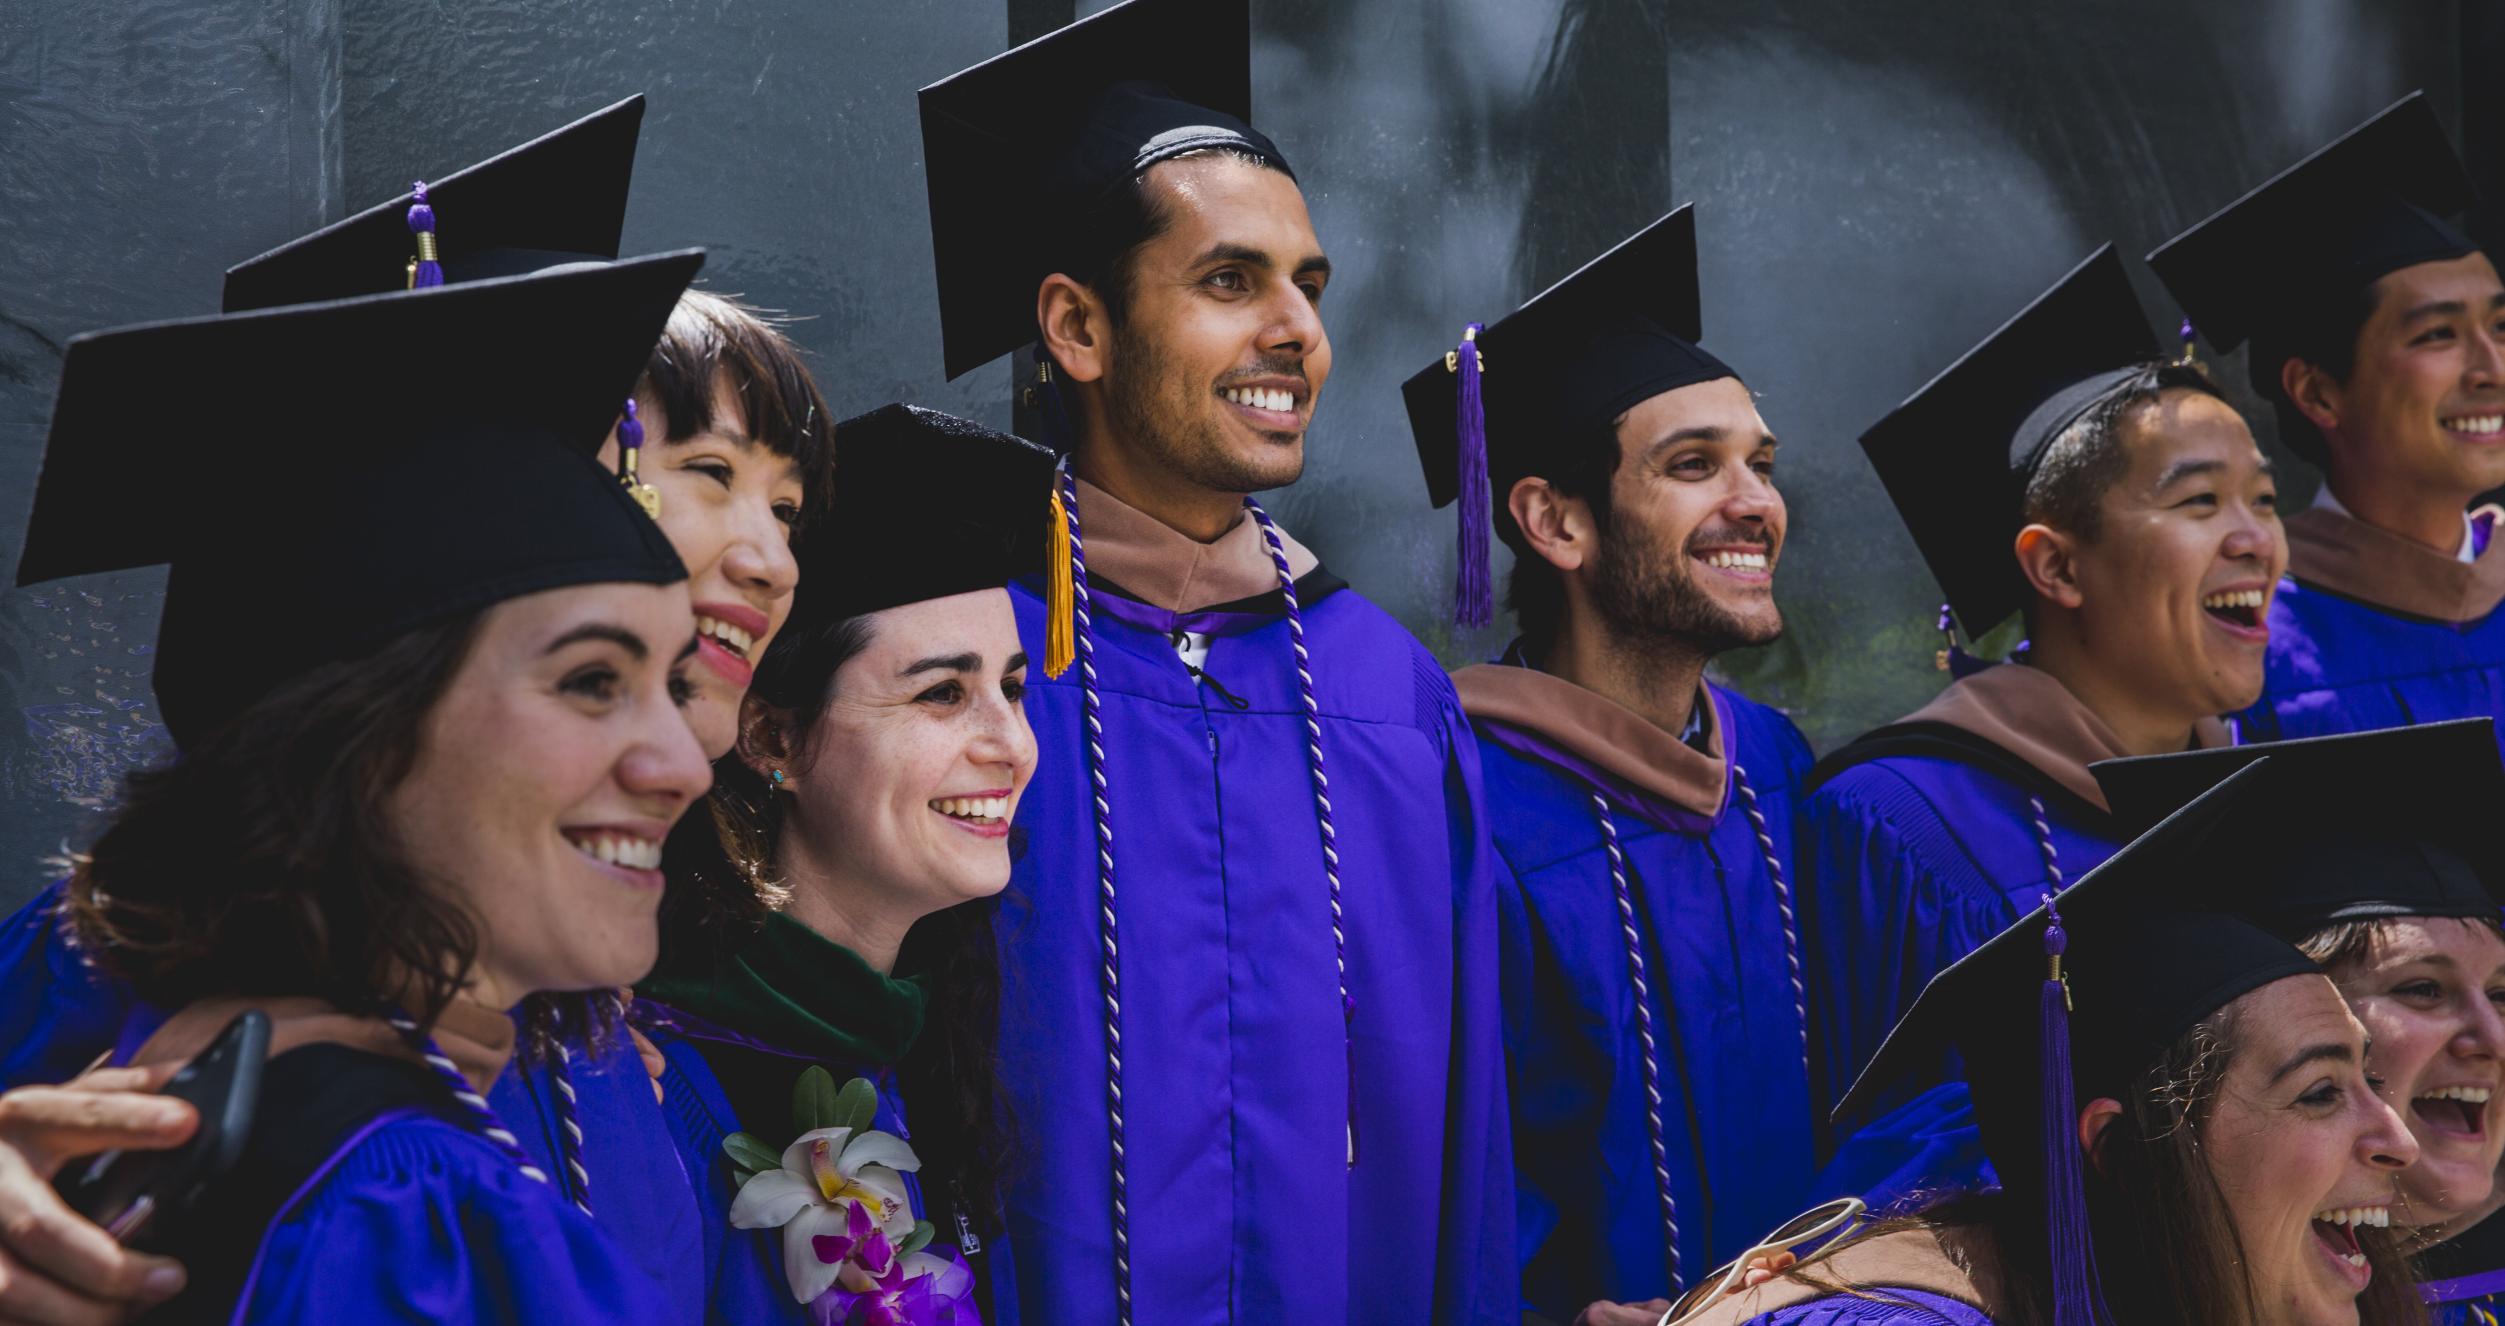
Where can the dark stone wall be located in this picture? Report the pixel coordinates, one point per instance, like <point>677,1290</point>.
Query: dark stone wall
<point>1878,184</point>
<point>144,146</point>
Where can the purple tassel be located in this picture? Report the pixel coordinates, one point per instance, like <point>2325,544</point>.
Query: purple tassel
<point>426,272</point>
<point>2076,1299</point>
<point>630,430</point>
<point>1474,597</point>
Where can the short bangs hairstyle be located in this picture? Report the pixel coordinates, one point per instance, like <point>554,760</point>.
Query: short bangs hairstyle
<point>713,338</point>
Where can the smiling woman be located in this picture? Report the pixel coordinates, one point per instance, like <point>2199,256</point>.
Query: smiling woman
<point>2188,1135</point>
<point>401,831</point>
<point>839,925</point>
<point>743,456</point>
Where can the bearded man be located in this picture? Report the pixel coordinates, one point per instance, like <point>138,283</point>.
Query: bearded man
<point>1650,952</point>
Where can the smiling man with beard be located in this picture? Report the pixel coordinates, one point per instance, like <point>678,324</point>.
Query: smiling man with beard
<point>1248,992</point>
<point>2056,472</point>
<point>1642,815</point>
<point>2378,334</point>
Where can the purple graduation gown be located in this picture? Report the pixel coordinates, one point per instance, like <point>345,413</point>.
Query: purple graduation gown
<point>59,1015</point>
<point>1736,1111</point>
<point>416,1217</point>
<point>1236,1064</point>
<point>1899,1307</point>
<point>2367,633</point>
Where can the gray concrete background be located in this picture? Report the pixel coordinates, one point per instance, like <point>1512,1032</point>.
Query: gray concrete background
<point>1878,183</point>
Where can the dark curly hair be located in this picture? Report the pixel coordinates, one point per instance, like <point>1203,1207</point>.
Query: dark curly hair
<point>262,862</point>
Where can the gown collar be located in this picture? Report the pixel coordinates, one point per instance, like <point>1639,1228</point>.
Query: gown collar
<point>1157,564</point>
<point>479,1040</point>
<point>2031,715</point>
<point>2332,550</point>
<point>794,988</point>
<point>1596,733</point>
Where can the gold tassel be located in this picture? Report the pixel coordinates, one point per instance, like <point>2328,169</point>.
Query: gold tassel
<point>1060,596</point>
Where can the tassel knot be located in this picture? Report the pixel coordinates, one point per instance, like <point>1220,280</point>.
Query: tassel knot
<point>425,272</point>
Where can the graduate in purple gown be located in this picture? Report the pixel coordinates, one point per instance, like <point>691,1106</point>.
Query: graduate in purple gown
<point>2059,472</point>
<point>732,485</point>
<point>1249,1001</point>
<point>1641,814</point>
<point>2378,334</point>
<point>2176,1099</point>
<point>2406,921</point>
<point>419,830</point>
<point>842,920</point>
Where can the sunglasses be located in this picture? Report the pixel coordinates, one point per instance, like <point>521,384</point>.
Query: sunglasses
<point>1831,1222</point>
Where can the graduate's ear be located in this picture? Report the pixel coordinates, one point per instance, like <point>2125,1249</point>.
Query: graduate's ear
<point>2094,1121</point>
<point>1558,528</point>
<point>2050,559</point>
<point>767,742</point>
<point>1077,330</point>
<point>2313,391</point>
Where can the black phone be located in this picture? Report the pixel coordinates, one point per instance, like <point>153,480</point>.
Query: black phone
<point>122,1191</point>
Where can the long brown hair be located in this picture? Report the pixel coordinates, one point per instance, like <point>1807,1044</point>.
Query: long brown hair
<point>2166,1246</point>
<point>262,862</point>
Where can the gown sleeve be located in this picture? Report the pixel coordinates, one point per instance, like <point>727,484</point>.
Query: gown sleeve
<point>1477,1272</point>
<point>1896,899</point>
<point>422,1222</point>
<point>57,1014</point>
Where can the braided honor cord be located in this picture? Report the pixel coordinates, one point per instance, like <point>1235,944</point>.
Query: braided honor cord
<point>482,1115</point>
<point>2044,844</point>
<point>1321,804</point>
<point>1644,1032</point>
<point>1092,718</point>
<point>1782,904</point>
<point>569,1126</point>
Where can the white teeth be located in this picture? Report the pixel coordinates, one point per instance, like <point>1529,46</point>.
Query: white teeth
<point>2477,423</point>
<point>2236,598</point>
<point>1737,561</point>
<point>2474,1095</point>
<point>2363,1217</point>
<point>739,641</point>
<point>972,808</point>
<point>620,850</point>
<point>1262,398</point>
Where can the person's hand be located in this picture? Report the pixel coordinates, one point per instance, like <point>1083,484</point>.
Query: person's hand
<point>1623,1314</point>
<point>56,1267</point>
<point>1762,1269</point>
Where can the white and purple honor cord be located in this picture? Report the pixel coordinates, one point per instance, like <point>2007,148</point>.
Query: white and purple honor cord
<point>483,1115</point>
<point>1107,921</point>
<point>1321,803</point>
<point>1644,1033</point>
<point>1636,973</point>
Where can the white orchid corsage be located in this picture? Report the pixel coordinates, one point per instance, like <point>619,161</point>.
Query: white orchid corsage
<point>852,1249</point>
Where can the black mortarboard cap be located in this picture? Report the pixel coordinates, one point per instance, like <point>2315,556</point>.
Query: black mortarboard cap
<point>352,469</point>
<point>1022,151</point>
<point>1957,455</point>
<point>559,198</point>
<point>2395,822</point>
<point>926,505</point>
<point>2371,203</point>
<point>1619,331</point>
<point>2147,955</point>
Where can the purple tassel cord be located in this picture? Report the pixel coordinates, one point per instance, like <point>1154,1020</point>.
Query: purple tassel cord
<point>1474,594</point>
<point>426,272</point>
<point>2076,1300</point>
